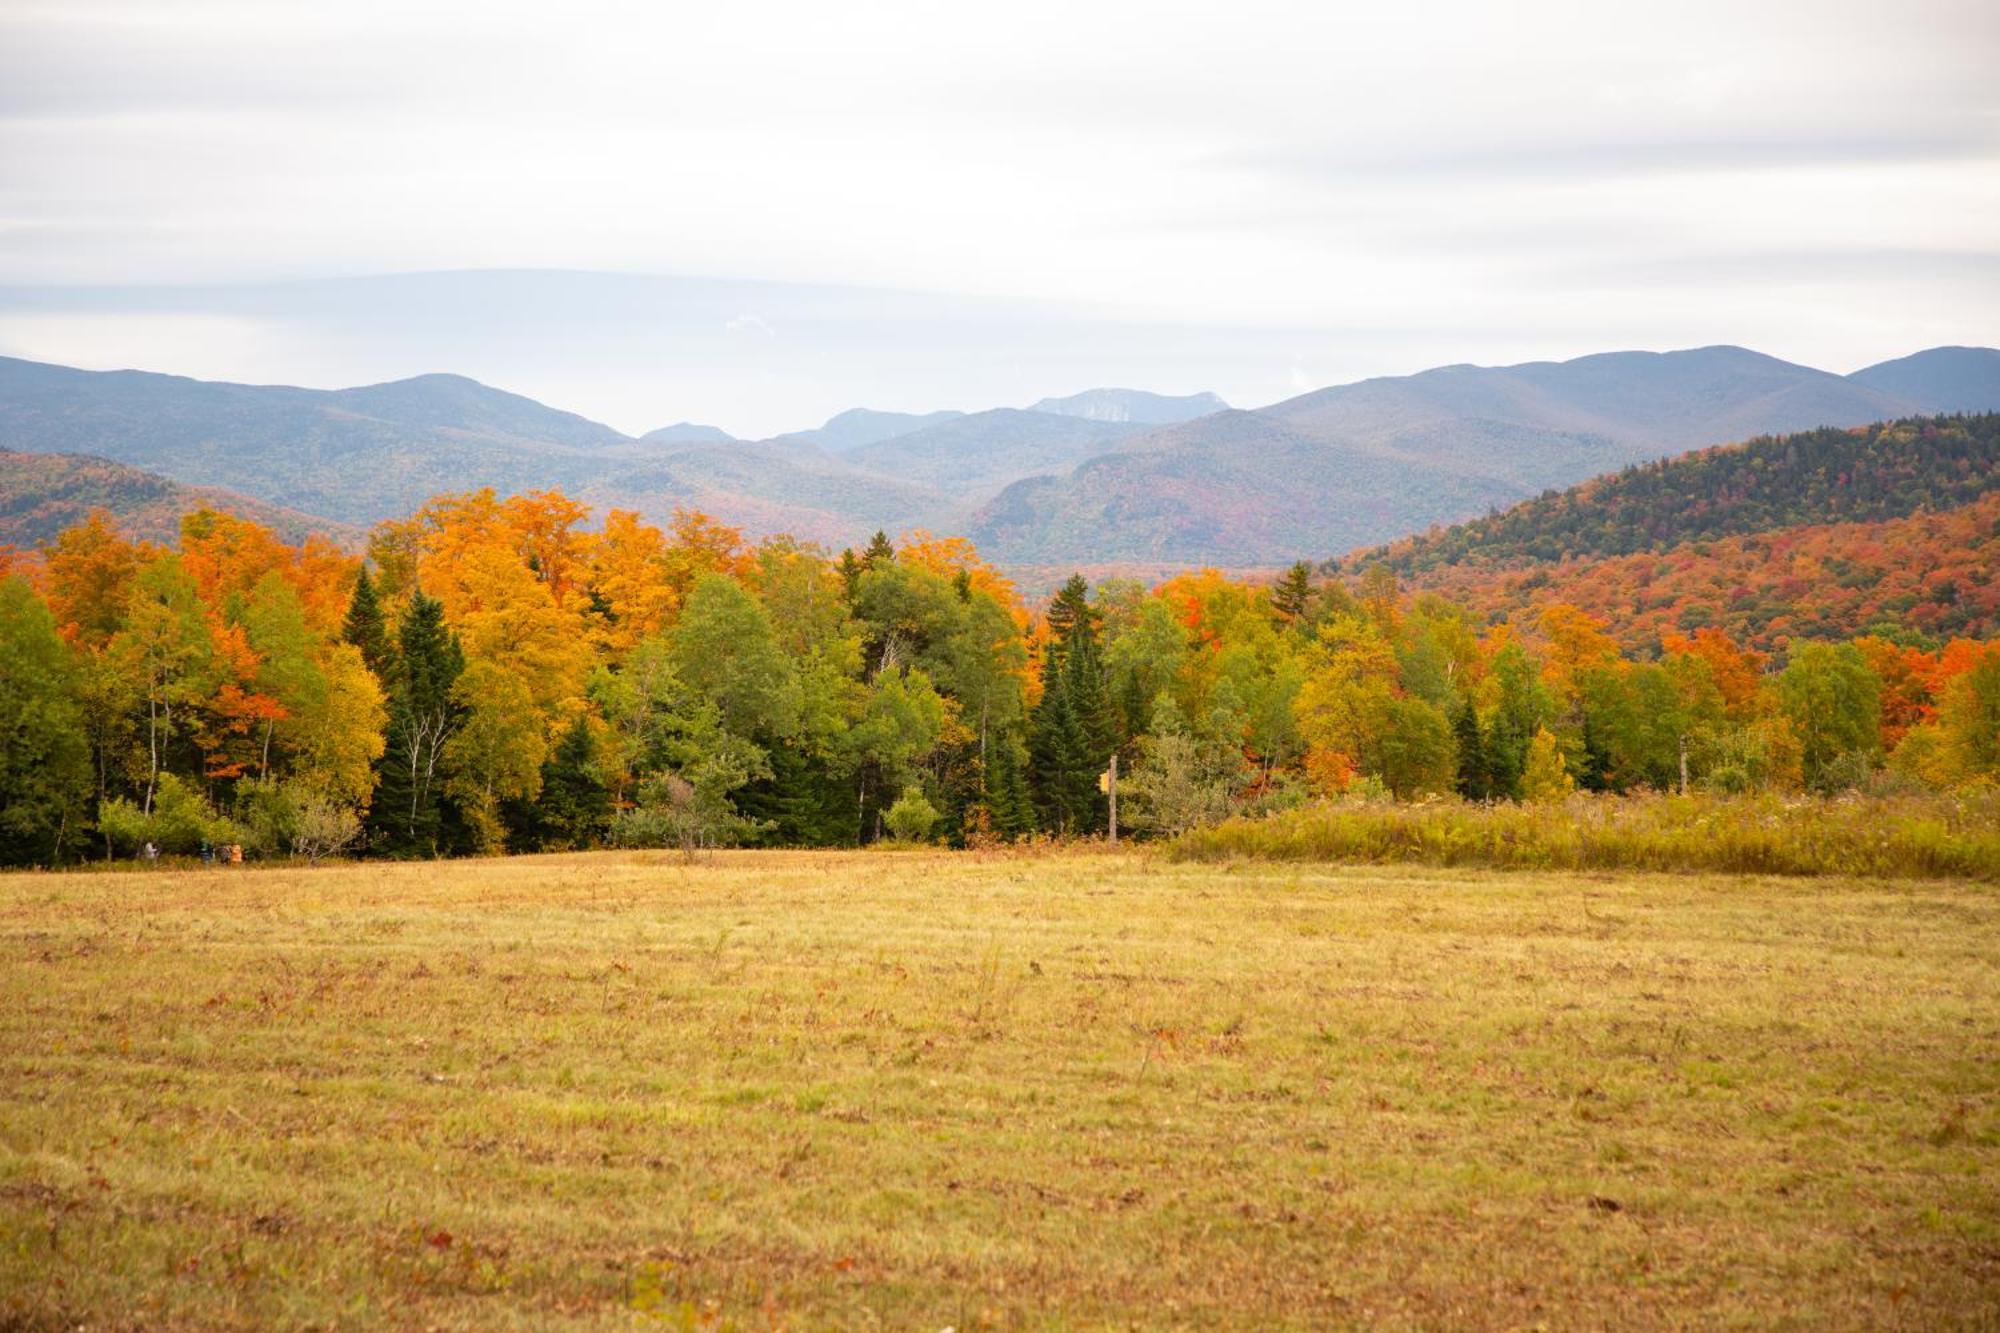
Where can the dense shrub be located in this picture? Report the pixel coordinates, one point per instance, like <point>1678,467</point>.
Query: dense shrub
<point>912,817</point>
<point>180,822</point>
<point>1889,836</point>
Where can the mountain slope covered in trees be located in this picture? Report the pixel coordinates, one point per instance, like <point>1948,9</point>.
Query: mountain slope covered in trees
<point>42,494</point>
<point>1824,532</point>
<point>1881,471</point>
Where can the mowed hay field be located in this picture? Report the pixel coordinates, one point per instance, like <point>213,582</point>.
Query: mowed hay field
<point>916,1090</point>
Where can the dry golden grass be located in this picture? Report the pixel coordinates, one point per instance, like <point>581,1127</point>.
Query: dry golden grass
<point>918,1090</point>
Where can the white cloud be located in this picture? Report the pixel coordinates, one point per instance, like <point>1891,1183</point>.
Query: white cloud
<point>1388,185</point>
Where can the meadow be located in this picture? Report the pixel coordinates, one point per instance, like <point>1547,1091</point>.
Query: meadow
<point>1007,1090</point>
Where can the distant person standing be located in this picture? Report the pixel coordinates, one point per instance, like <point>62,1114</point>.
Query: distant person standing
<point>150,851</point>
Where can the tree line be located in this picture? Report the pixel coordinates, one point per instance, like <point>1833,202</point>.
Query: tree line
<point>503,675</point>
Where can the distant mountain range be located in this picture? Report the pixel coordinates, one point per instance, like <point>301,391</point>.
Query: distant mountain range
<point>1365,463</point>
<point>1102,477</point>
<point>1134,406</point>
<point>687,432</point>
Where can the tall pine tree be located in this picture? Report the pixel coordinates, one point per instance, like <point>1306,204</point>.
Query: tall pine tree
<point>573,809</point>
<point>1475,772</point>
<point>366,630</point>
<point>1074,728</point>
<point>409,816</point>
<point>1292,597</point>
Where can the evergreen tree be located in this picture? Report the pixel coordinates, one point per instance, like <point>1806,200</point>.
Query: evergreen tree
<point>878,552</point>
<point>1075,726</point>
<point>801,803</point>
<point>366,630</point>
<point>1006,793</point>
<point>1475,778</point>
<point>850,569</point>
<point>1073,622</point>
<point>1059,753</point>
<point>574,808</point>
<point>1595,773</point>
<point>1292,597</point>
<point>410,816</point>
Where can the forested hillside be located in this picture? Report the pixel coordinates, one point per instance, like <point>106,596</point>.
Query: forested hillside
<point>1927,577</point>
<point>42,494</point>
<point>1865,474</point>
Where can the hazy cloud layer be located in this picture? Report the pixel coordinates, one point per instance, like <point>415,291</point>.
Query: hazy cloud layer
<point>1299,190</point>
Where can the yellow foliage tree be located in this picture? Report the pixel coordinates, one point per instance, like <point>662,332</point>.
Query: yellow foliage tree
<point>1546,778</point>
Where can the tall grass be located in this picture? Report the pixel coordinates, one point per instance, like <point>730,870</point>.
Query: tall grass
<point>1897,837</point>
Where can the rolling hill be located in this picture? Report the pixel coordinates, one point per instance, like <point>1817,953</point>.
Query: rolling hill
<point>973,456</point>
<point>1826,532</point>
<point>41,494</point>
<point>860,426</point>
<point>1943,379</point>
<point>354,455</point>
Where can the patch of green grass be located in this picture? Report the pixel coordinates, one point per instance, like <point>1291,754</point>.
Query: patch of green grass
<point>814,1090</point>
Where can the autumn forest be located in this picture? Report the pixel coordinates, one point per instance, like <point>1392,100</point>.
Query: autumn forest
<point>518,674</point>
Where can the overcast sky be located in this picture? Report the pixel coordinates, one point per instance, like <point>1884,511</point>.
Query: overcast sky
<point>922,205</point>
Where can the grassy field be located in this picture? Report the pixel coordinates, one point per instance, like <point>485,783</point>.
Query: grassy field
<point>916,1090</point>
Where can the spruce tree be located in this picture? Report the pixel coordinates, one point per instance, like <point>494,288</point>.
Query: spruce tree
<point>1075,726</point>
<point>1292,596</point>
<point>878,552</point>
<point>1475,776</point>
<point>1596,768</point>
<point>1059,752</point>
<point>850,568</point>
<point>1072,620</point>
<point>575,805</point>
<point>1006,793</point>
<point>366,630</point>
<point>409,816</point>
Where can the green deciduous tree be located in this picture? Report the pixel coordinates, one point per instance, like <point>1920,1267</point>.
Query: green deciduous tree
<point>912,817</point>
<point>1833,699</point>
<point>1413,752</point>
<point>44,756</point>
<point>165,648</point>
<point>724,647</point>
